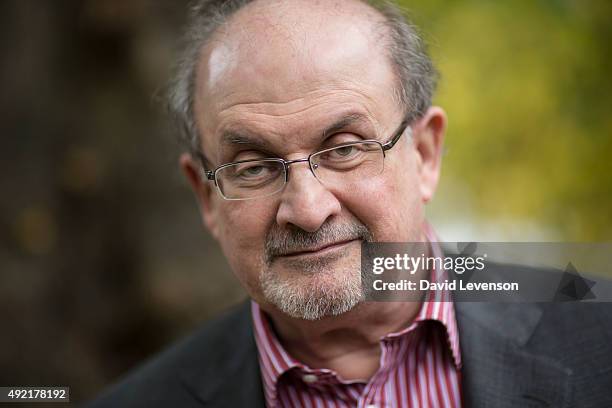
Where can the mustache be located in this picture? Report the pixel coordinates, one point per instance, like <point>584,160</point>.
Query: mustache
<point>282,241</point>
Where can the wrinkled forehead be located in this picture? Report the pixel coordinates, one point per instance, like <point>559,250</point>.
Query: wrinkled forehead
<point>298,56</point>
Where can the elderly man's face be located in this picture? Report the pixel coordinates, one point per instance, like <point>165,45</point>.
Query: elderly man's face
<point>282,75</point>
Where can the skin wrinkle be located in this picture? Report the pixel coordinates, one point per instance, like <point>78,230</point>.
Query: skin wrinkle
<point>381,131</point>
<point>260,123</point>
<point>351,122</point>
<point>228,124</point>
<point>318,93</point>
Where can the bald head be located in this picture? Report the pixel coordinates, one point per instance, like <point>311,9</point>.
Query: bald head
<point>274,45</point>
<point>288,39</point>
<point>277,52</point>
<point>296,24</point>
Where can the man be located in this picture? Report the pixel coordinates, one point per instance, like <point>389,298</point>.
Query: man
<point>311,131</point>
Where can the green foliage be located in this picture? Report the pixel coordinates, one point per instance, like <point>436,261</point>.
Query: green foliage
<point>527,90</point>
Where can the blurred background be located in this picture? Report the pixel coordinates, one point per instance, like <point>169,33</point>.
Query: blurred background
<point>103,260</point>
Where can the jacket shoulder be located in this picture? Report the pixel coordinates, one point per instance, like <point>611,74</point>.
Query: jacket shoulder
<point>164,379</point>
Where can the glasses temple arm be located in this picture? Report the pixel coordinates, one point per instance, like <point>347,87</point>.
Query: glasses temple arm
<point>396,136</point>
<point>210,174</point>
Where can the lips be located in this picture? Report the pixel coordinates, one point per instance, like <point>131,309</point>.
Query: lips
<point>318,249</point>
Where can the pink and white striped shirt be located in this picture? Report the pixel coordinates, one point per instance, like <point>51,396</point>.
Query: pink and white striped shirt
<point>419,366</point>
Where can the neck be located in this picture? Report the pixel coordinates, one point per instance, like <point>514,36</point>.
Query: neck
<point>348,344</point>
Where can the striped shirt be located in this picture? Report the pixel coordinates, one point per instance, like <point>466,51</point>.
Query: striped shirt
<point>419,366</point>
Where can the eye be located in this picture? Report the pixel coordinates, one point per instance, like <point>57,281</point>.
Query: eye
<point>344,151</point>
<point>254,170</point>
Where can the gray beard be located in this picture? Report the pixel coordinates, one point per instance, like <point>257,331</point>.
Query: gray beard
<point>312,302</point>
<point>318,291</point>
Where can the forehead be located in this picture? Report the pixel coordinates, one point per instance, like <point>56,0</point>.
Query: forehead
<point>293,66</point>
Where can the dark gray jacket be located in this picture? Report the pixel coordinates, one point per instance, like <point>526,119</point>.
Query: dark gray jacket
<point>514,355</point>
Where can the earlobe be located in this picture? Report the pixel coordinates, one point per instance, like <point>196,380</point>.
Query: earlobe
<point>429,139</point>
<point>203,191</point>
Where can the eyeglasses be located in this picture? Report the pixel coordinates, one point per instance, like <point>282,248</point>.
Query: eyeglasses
<point>342,165</point>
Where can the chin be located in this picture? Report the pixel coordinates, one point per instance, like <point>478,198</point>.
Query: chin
<point>313,294</point>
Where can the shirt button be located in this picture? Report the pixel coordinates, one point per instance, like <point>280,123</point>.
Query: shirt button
<point>309,378</point>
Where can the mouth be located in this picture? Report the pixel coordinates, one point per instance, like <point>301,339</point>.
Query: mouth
<point>319,250</point>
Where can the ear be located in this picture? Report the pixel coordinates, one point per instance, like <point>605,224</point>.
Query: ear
<point>428,141</point>
<point>204,192</point>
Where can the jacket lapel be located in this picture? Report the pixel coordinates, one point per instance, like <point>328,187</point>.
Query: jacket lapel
<point>228,375</point>
<point>497,369</point>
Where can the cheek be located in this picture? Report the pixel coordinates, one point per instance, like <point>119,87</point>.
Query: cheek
<point>243,226</point>
<point>390,204</point>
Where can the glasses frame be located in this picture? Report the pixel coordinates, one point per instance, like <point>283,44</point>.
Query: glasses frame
<point>211,175</point>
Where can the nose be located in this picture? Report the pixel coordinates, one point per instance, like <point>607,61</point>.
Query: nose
<point>305,202</point>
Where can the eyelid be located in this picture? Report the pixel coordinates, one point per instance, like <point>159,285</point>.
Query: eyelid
<point>250,154</point>
<point>334,140</point>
